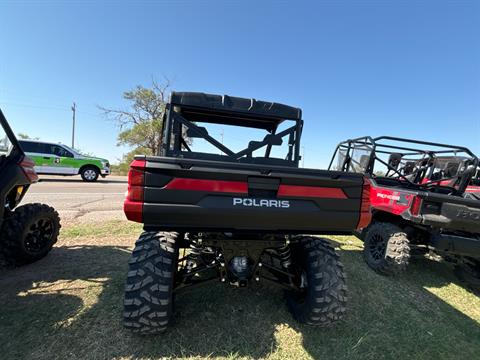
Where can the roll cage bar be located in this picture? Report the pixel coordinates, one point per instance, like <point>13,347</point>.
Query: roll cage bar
<point>16,148</point>
<point>180,124</point>
<point>8,130</point>
<point>420,175</point>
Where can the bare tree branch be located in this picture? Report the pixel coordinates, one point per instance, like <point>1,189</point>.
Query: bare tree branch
<point>140,125</point>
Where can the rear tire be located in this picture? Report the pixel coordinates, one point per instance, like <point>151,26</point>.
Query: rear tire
<point>29,233</point>
<point>324,298</point>
<point>386,248</point>
<point>89,174</point>
<point>148,302</point>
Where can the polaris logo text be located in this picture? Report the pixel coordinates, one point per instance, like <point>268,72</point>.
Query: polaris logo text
<point>248,202</point>
<point>388,196</point>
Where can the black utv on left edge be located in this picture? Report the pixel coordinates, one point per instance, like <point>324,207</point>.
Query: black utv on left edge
<point>237,216</point>
<point>28,232</point>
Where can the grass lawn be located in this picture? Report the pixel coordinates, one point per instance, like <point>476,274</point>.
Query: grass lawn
<point>69,305</point>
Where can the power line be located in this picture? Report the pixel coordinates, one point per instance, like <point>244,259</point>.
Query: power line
<point>46,107</point>
<point>34,106</point>
<point>303,156</point>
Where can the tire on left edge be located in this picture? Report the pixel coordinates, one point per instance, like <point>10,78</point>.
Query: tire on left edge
<point>29,233</point>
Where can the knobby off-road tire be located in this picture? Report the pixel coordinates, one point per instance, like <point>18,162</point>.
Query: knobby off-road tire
<point>324,297</point>
<point>386,248</point>
<point>29,233</point>
<point>148,303</point>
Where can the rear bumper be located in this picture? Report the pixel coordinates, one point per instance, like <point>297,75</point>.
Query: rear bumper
<point>457,245</point>
<point>220,214</point>
<point>452,217</point>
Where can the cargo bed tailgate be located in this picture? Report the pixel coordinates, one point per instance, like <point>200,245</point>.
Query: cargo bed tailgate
<point>207,195</point>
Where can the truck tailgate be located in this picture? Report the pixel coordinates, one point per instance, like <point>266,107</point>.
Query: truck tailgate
<point>209,195</point>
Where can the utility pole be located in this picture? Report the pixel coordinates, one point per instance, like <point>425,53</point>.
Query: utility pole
<point>303,156</point>
<point>221,136</point>
<point>74,108</point>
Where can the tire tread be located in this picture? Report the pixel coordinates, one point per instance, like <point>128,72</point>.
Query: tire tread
<point>326,300</point>
<point>148,301</point>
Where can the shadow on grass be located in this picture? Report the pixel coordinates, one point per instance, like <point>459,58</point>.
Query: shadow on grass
<point>69,306</point>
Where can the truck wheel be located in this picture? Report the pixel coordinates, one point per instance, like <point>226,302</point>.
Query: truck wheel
<point>148,302</point>
<point>89,174</point>
<point>386,248</point>
<point>29,233</point>
<point>469,273</point>
<point>322,298</point>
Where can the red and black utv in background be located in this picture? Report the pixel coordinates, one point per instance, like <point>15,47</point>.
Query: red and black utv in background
<point>424,198</point>
<point>28,232</point>
<point>237,215</point>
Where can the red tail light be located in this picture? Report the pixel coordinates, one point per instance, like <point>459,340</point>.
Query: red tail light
<point>417,203</point>
<point>133,205</point>
<point>28,167</point>
<point>365,209</point>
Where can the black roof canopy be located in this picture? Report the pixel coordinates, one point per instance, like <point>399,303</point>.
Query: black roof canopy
<point>229,110</point>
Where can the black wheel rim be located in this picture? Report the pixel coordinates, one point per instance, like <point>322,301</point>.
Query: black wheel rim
<point>377,247</point>
<point>39,235</point>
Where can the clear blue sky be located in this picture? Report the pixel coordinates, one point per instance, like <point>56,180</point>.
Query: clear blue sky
<point>406,68</point>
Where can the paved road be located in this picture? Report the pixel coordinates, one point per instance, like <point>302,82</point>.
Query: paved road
<point>78,201</point>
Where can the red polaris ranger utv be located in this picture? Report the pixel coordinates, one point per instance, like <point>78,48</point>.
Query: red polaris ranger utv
<point>425,199</point>
<point>28,232</point>
<point>212,212</point>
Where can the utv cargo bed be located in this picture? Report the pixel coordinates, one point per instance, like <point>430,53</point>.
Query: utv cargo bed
<point>224,196</point>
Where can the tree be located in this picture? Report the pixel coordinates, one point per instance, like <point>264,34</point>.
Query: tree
<point>24,136</point>
<point>124,162</point>
<point>141,125</point>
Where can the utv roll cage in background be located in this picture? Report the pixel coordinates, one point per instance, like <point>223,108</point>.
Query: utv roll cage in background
<point>186,109</point>
<point>17,151</point>
<point>410,161</point>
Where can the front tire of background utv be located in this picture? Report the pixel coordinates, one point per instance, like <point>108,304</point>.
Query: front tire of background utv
<point>89,174</point>
<point>29,233</point>
<point>386,248</point>
<point>323,299</point>
<point>148,302</point>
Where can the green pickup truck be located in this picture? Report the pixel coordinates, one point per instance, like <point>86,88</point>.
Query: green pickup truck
<point>59,159</point>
